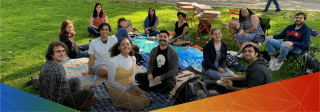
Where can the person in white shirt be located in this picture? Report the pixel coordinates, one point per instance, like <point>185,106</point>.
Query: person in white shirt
<point>122,88</point>
<point>99,56</point>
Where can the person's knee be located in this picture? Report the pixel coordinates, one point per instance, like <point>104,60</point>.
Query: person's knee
<point>268,41</point>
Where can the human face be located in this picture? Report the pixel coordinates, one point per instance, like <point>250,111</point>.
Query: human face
<point>104,32</point>
<point>180,18</point>
<point>123,24</point>
<point>58,54</point>
<point>151,12</point>
<point>163,39</point>
<point>98,8</point>
<point>250,54</point>
<point>244,12</point>
<point>69,28</point>
<point>299,20</point>
<point>125,46</point>
<point>216,35</point>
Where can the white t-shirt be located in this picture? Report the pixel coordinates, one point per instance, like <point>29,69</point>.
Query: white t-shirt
<point>125,63</point>
<point>101,50</point>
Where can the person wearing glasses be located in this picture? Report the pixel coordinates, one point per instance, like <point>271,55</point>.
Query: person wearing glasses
<point>122,87</point>
<point>256,75</point>
<point>54,86</point>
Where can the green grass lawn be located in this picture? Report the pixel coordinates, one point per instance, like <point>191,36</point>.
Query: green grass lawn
<point>28,26</point>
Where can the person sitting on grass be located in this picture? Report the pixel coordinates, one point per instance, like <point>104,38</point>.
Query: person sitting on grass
<point>162,67</point>
<point>123,89</point>
<point>122,32</point>
<point>97,17</point>
<point>66,36</point>
<point>180,31</point>
<point>215,55</point>
<point>54,86</point>
<point>151,23</point>
<point>256,75</point>
<point>250,29</point>
<point>296,40</point>
<point>99,57</point>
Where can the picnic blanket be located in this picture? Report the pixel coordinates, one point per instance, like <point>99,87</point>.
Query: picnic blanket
<point>74,68</point>
<point>104,104</point>
<point>187,58</point>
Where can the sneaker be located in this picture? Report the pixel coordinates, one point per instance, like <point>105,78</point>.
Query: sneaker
<point>272,62</point>
<point>264,11</point>
<point>233,53</point>
<point>90,35</point>
<point>277,66</point>
<point>240,56</point>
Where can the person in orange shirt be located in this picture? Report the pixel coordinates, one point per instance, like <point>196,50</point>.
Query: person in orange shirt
<point>97,17</point>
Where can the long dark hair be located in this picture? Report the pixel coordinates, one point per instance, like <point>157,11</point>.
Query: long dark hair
<point>241,18</point>
<point>152,21</point>
<point>52,45</point>
<point>64,25</point>
<point>95,13</point>
<point>114,51</point>
<point>120,20</point>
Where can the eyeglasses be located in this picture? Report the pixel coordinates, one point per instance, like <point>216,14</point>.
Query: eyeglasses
<point>60,51</point>
<point>125,45</point>
<point>249,51</point>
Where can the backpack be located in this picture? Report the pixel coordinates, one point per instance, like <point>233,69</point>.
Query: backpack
<point>193,89</point>
<point>309,64</point>
<point>232,61</point>
<point>139,59</point>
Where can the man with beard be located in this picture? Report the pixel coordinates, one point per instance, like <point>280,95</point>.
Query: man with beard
<point>99,55</point>
<point>256,75</point>
<point>296,39</point>
<point>162,67</point>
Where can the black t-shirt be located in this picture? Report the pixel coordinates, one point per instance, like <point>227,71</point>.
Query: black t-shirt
<point>161,61</point>
<point>179,30</point>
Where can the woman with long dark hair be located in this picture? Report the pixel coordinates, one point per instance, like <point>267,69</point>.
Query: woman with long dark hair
<point>122,87</point>
<point>151,23</point>
<point>122,32</point>
<point>249,28</point>
<point>97,17</point>
<point>67,35</point>
<point>215,56</point>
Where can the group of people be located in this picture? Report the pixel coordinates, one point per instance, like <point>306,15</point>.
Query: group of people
<point>113,58</point>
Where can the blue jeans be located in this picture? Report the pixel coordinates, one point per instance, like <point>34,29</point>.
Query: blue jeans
<point>82,54</point>
<point>85,46</point>
<point>146,25</point>
<point>93,31</point>
<point>215,75</point>
<point>275,3</point>
<point>272,44</point>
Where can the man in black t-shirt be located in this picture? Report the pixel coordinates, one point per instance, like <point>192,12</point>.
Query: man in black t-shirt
<point>162,67</point>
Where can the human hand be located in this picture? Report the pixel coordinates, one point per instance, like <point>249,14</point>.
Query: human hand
<point>156,80</point>
<point>150,77</point>
<point>269,36</point>
<point>147,30</point>
<point>288,43</point>
<point>228,86</point>
<point>85,73</point>
<point>221,70</point>
<point>243,33</point>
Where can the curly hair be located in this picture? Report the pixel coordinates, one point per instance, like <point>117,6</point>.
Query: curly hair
<point>64,25</point>
<point>114,50</point>
<point>55,44</point>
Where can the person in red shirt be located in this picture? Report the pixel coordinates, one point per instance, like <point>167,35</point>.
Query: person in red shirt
<point>97,17</point>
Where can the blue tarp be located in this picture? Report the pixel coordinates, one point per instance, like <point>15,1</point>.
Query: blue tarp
<point>147,45</point>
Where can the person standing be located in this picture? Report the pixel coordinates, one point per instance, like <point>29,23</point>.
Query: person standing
<point>268,5</point>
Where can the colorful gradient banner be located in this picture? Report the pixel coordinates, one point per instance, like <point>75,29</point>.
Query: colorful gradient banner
<point>13,99</point>
<point>296,94</point>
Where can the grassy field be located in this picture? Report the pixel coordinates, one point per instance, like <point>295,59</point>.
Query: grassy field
<point>28,26</point>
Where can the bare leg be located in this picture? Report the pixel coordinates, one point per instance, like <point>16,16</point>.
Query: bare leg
<point>104,72</point>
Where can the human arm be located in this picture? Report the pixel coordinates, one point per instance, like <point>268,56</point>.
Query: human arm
<point>106,19</point>
<point>91,59</point>
<point>91,22</point>
<point>184,32</point>
<point>282,34</point>
<point>240,78</point>
<point>254,24</point>
<point>231,88</point>
<point>206,56</point>
<point>112,74</point>
<point>156,23</point>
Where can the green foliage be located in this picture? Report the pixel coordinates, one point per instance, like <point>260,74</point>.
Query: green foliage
<point>28,26</point>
